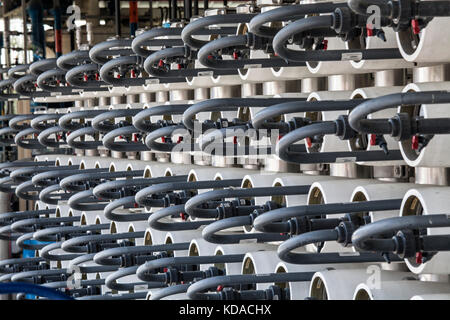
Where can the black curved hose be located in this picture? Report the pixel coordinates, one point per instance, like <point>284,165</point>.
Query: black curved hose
<point>285,251</point>
<point>286,13</point>
<point>317,22</point>
<point>287,151</point>
<point>196,291</point>
<point>199,27</point>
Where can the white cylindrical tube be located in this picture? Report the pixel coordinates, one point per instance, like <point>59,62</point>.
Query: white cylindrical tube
<point>260,262</point>
<point>432,296</point>
<point>333,67</point>
<point>153,237</point>
<point>399,290</point>
<point>139,226</point>
<point>298,180</point>
<point>428,201</point>
<point>200,247</point>
<point>236,267</point>
<point>392,144</point>
<point>437,151</point>
<point>94,217</point>
<point>157,169</point>
<point>381,191</point>
<point>333,191</point>
<point>374,42</point>
<point>429,45</point>
<point>330,143</point>
<point>341,284</point>
<point>179,237</point>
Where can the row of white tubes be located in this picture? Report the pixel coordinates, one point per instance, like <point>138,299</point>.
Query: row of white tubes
<point>345,281</point>
<point>435,154</point>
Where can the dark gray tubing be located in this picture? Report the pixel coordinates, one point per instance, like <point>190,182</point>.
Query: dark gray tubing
<point>21,164</point>
<point>285,251</point>
<point>86,201</point>
<point>123,296</point>
<point>170,291</point>
<point>41,66</point>
<point>103,190</point>
<point>123,146</point>
<point>264,221</point>
<point>210,232</point>
<point>228,104</point>
<point>197,290</point>
<point>10,217</point>
<point>102,50</point>
<point>51,195</point>
<point>101,122</point>
<point>74,77</point>
<point>43,137</point>
<point>5,84</point>
<point>111,280</point>
<point>192,205</point>
<point>20,242</point>
<point>147,39</point>
<point>7,234</point>
<point>168,147</point>
<point>73,59</point>
<point>71,183</point>
<point>53,174</point>
<point>126,202</point>
<point>23,191</point>
<point>45,77</point>
<point>55,233</point>
<point>212,143</point>
<point>195,27</point>
<point>28,225</point>
<point>205,55</point>
<point>90,269</point>
<point>141,124</point>
<point>317,22</point>
<point>322,128</point>
<point>86,145</point>
<point>357,118</point>
<point>45,253</point>
<point>24,276</point>
<point>146,271</point>
<point>25,174</point>
<point>173,54</point>
<point>30,143</point>
<point>286,13</point>
<point>141,196</point>
<point>360,6</point>
<point>155,217</point>
<point>83,283</point>
<point>5,141</point>
<point>79,244</point>
<point>18,262</point>
<point>260,119</point>
<point>107,72</point>
<point>18,71</point>
<point>7,184</point>
<point>66,123</point>
<point>25,85</point>
<point>36,122</point>
<point>369,237</point>
<point>14,122</point>
<point>105,257</point>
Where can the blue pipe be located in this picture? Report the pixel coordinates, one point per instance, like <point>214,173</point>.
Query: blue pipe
<point>36,14</point>
<point>41,291</point>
